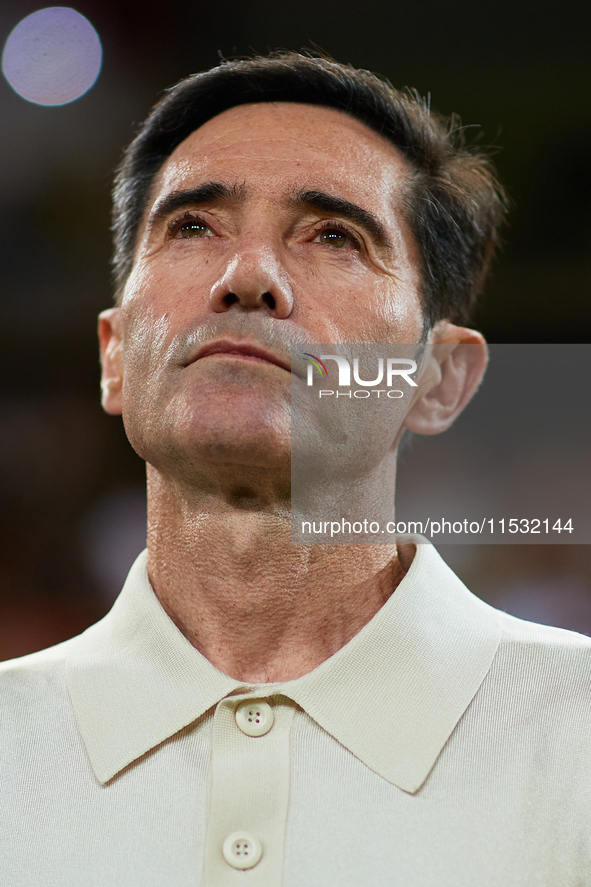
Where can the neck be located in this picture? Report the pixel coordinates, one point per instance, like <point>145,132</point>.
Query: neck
<point>258,607</point>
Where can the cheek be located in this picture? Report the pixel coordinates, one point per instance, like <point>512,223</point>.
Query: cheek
<point>178,285</point>
<point>382,313</point>
<point>146,333</point>
<point>398,313</point>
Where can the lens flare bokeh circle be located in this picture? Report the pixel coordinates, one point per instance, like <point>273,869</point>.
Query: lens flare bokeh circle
<point>52,56</point>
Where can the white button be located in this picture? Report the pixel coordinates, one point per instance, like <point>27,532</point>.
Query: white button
<point>242,850</point>
<point>254,718</point>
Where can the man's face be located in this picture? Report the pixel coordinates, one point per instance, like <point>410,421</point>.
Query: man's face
<point>271,225</point>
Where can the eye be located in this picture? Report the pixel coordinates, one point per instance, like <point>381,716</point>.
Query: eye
<point>337,237</point>
<point>188,226</point>
<point>194,228</point>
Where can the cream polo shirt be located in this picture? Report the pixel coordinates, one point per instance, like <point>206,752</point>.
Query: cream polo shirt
<point>447,744</point>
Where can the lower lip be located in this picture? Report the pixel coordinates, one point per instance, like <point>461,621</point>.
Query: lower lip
<point>236,355</point>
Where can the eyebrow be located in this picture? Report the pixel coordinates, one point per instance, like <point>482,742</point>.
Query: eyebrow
<point>319,200</point>
<point>213,192</point>
<point>209,192</point>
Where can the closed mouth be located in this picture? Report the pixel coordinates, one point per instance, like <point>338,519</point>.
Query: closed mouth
<point>240,350</point>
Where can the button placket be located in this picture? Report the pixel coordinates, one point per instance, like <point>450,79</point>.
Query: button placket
<point>248,791</point>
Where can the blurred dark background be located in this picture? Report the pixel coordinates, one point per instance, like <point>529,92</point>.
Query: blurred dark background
<point>71,489</point>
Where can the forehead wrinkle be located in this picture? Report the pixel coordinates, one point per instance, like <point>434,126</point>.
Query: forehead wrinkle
<point>177,170</point>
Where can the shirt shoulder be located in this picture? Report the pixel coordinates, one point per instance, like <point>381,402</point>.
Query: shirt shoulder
<point>543,643</point>
<point>50,657</point>
<point>543,674</point>
<point>30,683</point>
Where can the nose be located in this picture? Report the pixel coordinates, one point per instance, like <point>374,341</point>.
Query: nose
<point>254,279</point>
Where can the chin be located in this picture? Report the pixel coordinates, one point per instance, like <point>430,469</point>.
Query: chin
<point>208,438</point>
<point>233,424</point>
<point>256,451</point>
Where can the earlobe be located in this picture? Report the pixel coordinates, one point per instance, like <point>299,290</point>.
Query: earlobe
<point>452,370</point>
<point>109,332</point>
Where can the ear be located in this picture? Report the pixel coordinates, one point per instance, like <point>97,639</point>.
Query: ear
<point>454,365</point>
<point>109,333</point>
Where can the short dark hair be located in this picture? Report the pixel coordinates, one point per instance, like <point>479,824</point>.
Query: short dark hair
<point>453,202</point>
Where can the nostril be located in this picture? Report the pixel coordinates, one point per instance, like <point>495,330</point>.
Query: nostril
<point>248,300</point>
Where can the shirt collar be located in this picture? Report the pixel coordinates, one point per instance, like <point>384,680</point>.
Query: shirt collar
<point>408,675</point>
